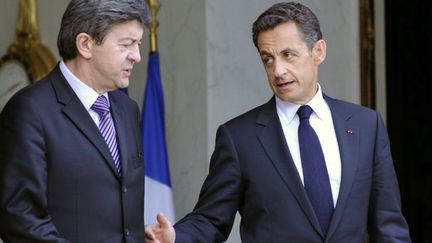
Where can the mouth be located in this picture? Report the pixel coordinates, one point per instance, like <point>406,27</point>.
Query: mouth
<point>284,84</point>
<point>127,71</point>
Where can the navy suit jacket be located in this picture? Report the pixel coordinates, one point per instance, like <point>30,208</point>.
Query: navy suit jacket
<point>58,181</point>
<point>252,172</point>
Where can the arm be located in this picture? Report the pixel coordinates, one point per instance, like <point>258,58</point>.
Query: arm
<point>220,196</point>
<point>386,222</point>
<point>23,176</point>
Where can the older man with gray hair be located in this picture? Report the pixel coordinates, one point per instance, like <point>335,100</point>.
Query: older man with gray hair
<point>71,161</point>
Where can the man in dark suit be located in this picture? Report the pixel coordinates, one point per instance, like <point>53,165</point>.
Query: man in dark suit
<point>71,162</point>
<point>264,167</point>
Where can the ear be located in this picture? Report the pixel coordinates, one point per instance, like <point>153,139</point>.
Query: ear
<point>84,43</point>
<point>319,51</point>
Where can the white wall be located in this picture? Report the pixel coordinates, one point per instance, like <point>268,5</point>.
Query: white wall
<point>211,71</point>
<point>182,44</point>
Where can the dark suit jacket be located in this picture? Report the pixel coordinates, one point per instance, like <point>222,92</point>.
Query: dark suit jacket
<point>252,172</point>
<point>57,177</point>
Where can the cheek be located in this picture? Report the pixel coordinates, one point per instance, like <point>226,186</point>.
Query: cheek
<point>269,73</point>
<point>271,85</point>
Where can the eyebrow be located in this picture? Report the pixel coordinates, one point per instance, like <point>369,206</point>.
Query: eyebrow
<point>262,53</point>
<point>130,39</point>
<point>282,51</point>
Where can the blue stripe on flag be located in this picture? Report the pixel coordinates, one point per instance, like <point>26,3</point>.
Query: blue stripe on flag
<point>153,125</point>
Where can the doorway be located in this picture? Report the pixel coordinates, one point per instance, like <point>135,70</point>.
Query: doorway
<point>409,104</point>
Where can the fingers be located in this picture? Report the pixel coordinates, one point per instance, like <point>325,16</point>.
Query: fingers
<point>163,221</point>
<point>149,234</point>
<point>163,232</point>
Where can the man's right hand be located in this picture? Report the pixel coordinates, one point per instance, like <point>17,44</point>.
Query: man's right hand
<point>160,233</point>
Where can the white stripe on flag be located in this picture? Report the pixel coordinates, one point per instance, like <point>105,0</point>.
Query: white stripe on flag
<point>158,198</point>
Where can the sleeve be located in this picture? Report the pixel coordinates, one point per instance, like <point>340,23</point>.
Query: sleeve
<point>386,222</point>
<point>220,197</point>
<point>23,176</point>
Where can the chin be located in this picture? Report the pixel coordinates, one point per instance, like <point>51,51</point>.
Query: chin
<point>286,98</point>
<point>124,84</point>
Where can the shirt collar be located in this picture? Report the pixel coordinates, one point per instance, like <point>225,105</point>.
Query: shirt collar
<point>85,93</point>
<point>317,103</point>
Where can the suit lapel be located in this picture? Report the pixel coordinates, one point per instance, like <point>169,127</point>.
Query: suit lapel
<point>75,111</point>
<point>274,143</point>
<point>348,141</point>
<point>120,126</point>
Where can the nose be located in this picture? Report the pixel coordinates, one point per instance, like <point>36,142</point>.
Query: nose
<point>134,54</point>
<point>279,69</point>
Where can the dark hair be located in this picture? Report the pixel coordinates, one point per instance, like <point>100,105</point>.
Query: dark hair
<point>279,13</point>
<point>96,17</point>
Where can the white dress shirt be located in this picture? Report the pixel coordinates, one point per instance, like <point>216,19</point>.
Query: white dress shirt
<point>322,122</point>
<point>85,93</point>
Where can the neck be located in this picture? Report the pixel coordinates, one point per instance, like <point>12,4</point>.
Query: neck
<point>81,70</point>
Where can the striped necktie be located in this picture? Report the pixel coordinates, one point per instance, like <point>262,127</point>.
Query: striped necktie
<point>106,127</point>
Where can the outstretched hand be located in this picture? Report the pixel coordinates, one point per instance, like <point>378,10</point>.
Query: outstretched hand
<point>160,233</point>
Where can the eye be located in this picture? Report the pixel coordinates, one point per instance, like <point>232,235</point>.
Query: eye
<point>287,54</point>
<point>130,44</point>
<point>267,60</point>
<point>126,44</point>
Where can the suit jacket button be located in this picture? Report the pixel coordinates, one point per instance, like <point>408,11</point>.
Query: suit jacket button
<point>126,232</point>
<point>124,189</point>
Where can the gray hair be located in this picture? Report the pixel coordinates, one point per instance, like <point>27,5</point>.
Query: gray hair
<point>279,13</point>
<point>96,17</point>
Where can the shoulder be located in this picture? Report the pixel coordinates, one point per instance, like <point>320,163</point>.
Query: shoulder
<point>349,107</point>
<point>253,115</point>
<point>42,89</point>
<point>24,112</point>
<point>31,96</point>
<point>355,114</point>
<point>252,121</point>
<point>121,97</point>
<point>123,100</point>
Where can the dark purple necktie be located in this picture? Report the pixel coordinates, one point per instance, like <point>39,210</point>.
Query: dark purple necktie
<point>106,127</point>
<point>315,175</point>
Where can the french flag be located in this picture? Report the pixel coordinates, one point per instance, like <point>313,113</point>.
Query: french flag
<point>158,192</point>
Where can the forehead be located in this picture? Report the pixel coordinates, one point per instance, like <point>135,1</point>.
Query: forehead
<point>133,29</point>
<point>283,34</point>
